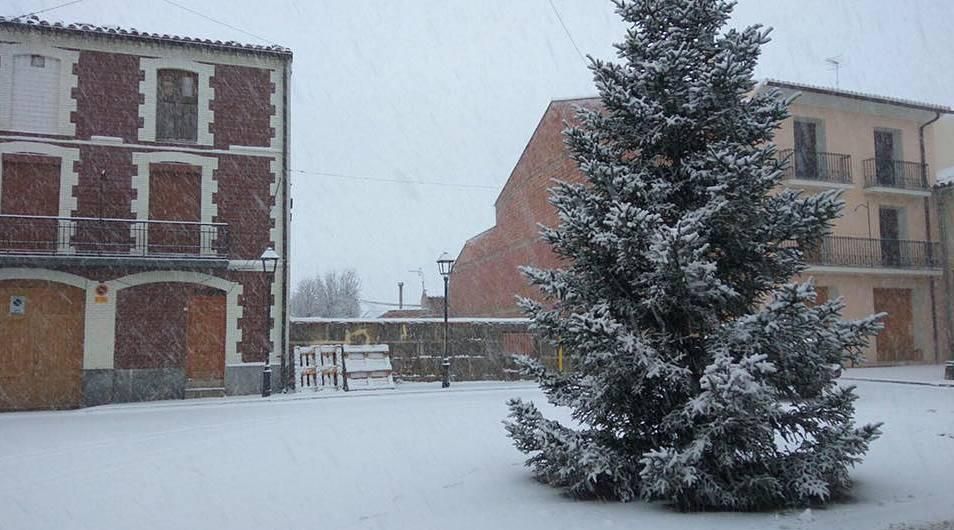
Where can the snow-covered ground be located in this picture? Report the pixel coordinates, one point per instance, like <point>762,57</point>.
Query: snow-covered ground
<point>415,458</point>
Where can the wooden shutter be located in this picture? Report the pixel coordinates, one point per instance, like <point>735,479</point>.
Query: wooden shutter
<point>177,105</point>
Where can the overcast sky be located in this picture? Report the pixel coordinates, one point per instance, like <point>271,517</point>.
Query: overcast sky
<point>449,91</point>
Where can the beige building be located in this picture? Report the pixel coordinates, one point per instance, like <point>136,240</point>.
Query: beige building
<point>883,254</point>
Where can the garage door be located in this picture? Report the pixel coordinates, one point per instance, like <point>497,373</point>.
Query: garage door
<point>41,345</point>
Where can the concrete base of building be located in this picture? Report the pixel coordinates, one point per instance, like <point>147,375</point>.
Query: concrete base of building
<point>148,384</point>
<point>97,387</point>
<point>102,386</point>
<point>125,385</point>
<point>243,379</point>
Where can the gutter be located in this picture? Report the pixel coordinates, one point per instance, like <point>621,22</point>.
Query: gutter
<point>927,225</point>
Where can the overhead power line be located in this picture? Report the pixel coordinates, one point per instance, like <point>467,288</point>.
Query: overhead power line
<point>568,34</point>
<point>37,12</point>
<point>394,180</point>
<point>219,22</point>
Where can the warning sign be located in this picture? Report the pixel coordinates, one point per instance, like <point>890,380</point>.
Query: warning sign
<point>17,305</point>
<point>102,294</point>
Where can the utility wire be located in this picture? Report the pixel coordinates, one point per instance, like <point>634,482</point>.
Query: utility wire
<point>37,12</point>
<point>396,181</point>
<point>219,22</point>
<point>568,34</point>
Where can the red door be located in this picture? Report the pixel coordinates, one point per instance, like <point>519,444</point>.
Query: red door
<point>31,187</point>
<point>896,340</point>
<point>175,196</point>
<point>205,338</point>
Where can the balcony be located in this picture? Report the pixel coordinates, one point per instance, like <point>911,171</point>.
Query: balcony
<point>32,237</point>
<point>821,169</point>
<point>866,253</point>
<point>896,176</point>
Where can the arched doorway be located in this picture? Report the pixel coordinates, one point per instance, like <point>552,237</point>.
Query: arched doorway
<point>41,344</point>
<point>170,338</point>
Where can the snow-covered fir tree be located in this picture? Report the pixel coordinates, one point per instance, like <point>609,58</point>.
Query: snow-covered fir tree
<point>700,374</point>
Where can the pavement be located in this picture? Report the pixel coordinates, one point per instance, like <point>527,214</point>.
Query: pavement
<point>916,374</point>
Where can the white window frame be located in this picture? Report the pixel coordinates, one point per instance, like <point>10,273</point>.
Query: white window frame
<point>140,184</point>
<point>148,87</point>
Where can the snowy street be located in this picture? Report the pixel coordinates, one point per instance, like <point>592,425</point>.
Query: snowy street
<point>415,458</point>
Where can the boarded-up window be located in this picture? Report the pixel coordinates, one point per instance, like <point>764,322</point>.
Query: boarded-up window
<point>36,94</point>
<point>518,343</point>
<point>174,196</point>
<point>177,106</point>
<point>31,187</point>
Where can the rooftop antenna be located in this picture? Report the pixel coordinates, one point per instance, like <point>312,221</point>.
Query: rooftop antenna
<point>420,273</point>
<point>835,63</point>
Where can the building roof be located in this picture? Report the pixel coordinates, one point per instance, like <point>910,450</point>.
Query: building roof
<point>407,313</point>
<point>872,98</point>
<point>131,34</point>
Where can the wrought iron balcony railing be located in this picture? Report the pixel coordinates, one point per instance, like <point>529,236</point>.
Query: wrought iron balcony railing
<point>818,166</point>
<point>86,236</point>
<point>880,172</point>
<point>840,251</point>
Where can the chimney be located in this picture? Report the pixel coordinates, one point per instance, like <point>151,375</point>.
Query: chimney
<point>400,295</point>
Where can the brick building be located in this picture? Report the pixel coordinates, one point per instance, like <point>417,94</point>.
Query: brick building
<point>141,180</point>
<point>883,254</point>
<point>486,280</point>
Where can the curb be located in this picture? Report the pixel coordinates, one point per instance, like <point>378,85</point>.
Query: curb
<point>940,384</point>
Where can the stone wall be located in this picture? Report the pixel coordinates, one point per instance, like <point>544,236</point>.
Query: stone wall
<point>480,349</point>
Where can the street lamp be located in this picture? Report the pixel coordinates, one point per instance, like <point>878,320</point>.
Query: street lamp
<point>445,264</point>
<point>269,264</point>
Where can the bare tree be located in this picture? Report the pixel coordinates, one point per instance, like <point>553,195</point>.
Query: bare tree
<point>336,294</point>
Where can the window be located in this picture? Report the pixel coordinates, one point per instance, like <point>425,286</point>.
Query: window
<point>177,107</point>
<point>809,142</point>
<point>36,94</point>
<point>887,146</point>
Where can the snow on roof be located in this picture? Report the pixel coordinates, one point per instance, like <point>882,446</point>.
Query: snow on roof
<point>874,98</point>
<point>78,28</point>
<point>945,177</point>
<point>581,98</point>
<point>420,320</point>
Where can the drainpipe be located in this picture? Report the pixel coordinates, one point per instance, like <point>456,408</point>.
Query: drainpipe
<point>944,197</point>
<point>927,225</point>
<point>288,367</point>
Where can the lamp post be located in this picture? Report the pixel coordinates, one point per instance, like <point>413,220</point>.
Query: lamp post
<point>269,264</point>
<point>445,264</point>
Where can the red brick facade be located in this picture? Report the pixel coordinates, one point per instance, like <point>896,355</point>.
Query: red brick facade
<point>486,278</point>
<point>107,95</point>
<point>225,190</point>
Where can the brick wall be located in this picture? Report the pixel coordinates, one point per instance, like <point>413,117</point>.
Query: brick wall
<point>242,106</point>
<point>107,95</point>
<point>480,350</point>
<point>153,333</point>
<point>244,202</point>
<point>486,278</point>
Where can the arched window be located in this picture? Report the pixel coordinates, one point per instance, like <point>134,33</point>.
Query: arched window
<point>36,94</point>
<point>177,107</point>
